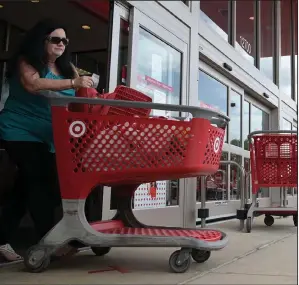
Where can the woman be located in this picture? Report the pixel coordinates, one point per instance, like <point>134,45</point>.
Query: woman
<point>42,63</point>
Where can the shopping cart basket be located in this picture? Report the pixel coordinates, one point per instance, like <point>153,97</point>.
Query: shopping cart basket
<point>274,163</point>
<point>124,152</point>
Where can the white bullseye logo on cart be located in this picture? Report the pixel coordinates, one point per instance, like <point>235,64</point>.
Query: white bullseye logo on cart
<point>77,129</point>
<point>216,144</point>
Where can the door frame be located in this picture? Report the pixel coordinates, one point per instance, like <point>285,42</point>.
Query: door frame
<point>169,215</point>
<point>119,12</point>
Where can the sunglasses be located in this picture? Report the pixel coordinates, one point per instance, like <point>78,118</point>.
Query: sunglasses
<point>58,40</point>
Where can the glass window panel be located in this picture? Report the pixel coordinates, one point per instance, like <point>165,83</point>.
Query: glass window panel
<point>159,76</point>
<point>267,38</point>
<point>217,184</point>
<point>215,14</point>
<point>235,118</point>
<point>172,194</point>
<point>286,125</point>
<point>286,44</point>
<point>259,119</point>
<point>245,41</point>
<point>159,71</point>
<point>123,52</point>
<point>212,92</point>
<point>235,177</point>
<point>263,192</point>
<point>259,122</point>
<point>246,124</point>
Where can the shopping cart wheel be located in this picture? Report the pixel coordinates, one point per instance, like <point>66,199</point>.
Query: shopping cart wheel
<point>36,259</point>
<point>100,251</point>
<point>295,219</point>
<point>200,256</point>
<point>179,262</point>
<point>268,220</point>
<point>248,225</point>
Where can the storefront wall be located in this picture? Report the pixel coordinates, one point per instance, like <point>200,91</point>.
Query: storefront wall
<point>252,99</point>
<point>178,45</point>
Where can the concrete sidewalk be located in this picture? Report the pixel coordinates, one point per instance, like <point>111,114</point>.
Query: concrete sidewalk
<point>268,255</point>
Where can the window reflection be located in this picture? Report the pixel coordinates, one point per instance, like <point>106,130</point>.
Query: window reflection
<point>215,14</point>
<point>235,177</point>
<point>217,184</point>
<point>259,122</point>
<point>259,119</point>
<point>245,35</point>
<point>159,76</point>
<point>212,92</point>
<point>286,44</point>
<point>123,52</point>
<point>235,116</point>
<point>286,125</point>
<point>159,71</point>
<point>267,38</point>
<point>246,124</point>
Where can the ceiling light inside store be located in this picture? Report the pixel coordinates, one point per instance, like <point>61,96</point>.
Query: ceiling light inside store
<point>86,27</point>
<point>251,18</point>
<point>1,6</point>
<point>34,1</point>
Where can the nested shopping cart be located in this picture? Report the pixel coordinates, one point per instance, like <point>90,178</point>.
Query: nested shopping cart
<point>274,163</point>
<point>122,150</point>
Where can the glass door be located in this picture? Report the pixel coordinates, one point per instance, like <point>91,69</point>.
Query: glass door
<point>158,63</point>
<point>217,92</point>
<point>256,118</point>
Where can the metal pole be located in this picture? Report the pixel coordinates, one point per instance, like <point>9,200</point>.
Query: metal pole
<point>203,198</point>
<point>284,197</point>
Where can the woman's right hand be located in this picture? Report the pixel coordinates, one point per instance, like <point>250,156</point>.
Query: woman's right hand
<point>83,81</point>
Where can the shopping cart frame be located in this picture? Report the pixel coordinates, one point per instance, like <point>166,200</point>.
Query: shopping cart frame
<point>75,227</point>
<point>283,210</point>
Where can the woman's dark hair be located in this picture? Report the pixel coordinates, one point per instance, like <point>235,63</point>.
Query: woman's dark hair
<point>32,50</point>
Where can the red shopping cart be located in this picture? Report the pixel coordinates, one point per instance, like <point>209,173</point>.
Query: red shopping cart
<point>123,151</point>
<point>274,163</point>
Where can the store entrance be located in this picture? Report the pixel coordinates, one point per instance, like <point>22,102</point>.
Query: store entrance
<point>89,28</point>
<point>246,115</point>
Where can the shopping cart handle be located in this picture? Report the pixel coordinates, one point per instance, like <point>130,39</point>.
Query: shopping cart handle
<point>270,132</point>
<point>56,99</point>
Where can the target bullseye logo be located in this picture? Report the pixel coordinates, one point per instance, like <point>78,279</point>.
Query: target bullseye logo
<point>217,145</point>
<point>77,129</point>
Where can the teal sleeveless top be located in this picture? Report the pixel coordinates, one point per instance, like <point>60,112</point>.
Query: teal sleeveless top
<point>27,116</point>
